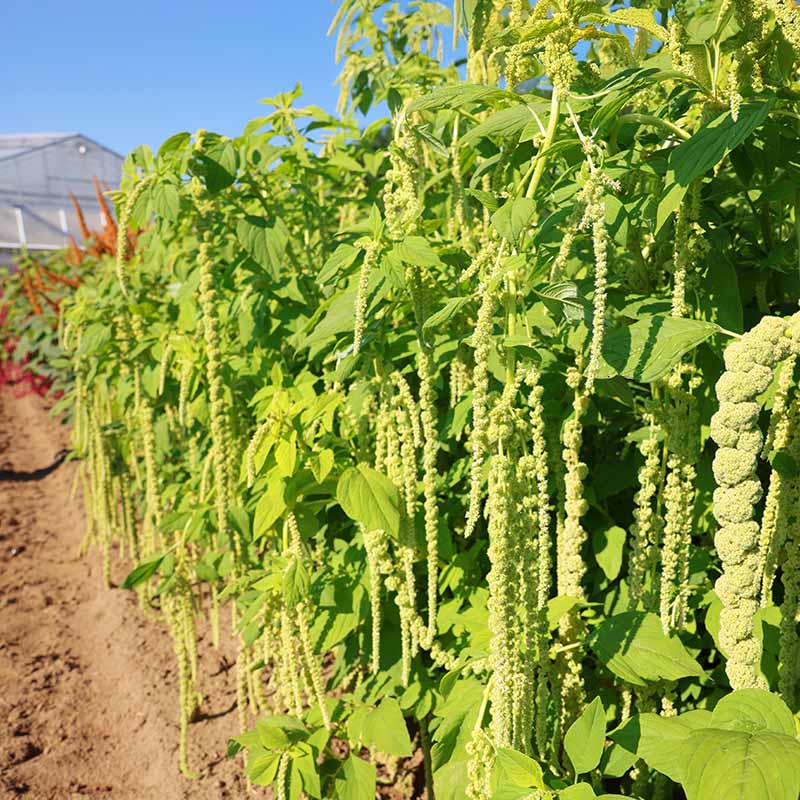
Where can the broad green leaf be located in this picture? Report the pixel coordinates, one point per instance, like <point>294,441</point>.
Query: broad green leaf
<point>305,764</point>
<point>512,218</point>
<point>705,149</point>
<point>417,251</point>
<point>578,791</point>
<point>341,259</point>
<point>262,766</point>
<point>558,606</point>
<point>269,508</point>
<point>321,465</point>
<point>142,572</point>
<point>461,95</point>
<point>446,313</point>
<point>616,761</point>
<point>369,497</point>
<point>296,582</point>
<point>563,295</point>
<point>735,765</point>
<point>265,245</point>
<point>647,350</point>
<point>659,740</point>
<point>286,455</point>
<point>752,710</point>
<point>584,740</point>
<point>517,769</point>
<point>94,338</point>
<point>174,144</point>
<point>385,729</point>
<point>508,122</point>
<point>635,648</point>
<point>357,781</point>
<point>607,546</point>
<point>166,200</point>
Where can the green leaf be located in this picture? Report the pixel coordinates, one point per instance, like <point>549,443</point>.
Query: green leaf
<point>563,294</point>
<point>460,96</point>
<point>296,582</point>
<point>94,338</point>
<point>286,456</point>
<point>166,201</point>
<point>512,218</point>
<point>174,144</point>
<point>266,245</point>
<point>659,740</point>
<point>486,199</point>
<point>705,149</point>
<point>507,122</point>
<point>518,769</point>
<point>262,766</point>
<point>417,251</point>
<point>369,497</point>
<point>584,740</point>
<point>647,350</point>
<point>741,766</point>
<point>635,648</point>
<point>385,729</point>
<point>578,791</point>
<point>341,259</point>
<point>142,572</point>
<point>357,781</point>
<point>752,710</point>
<point>322,465</point>
<point>607,546</point>
<point>446,313</point>
<point>269,508</point>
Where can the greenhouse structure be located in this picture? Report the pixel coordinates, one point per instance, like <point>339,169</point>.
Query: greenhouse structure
<point>37,173</point>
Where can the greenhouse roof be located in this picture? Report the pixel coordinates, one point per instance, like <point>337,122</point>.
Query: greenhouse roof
<point>38,172</point>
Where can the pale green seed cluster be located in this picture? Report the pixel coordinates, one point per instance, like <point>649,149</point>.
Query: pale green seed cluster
<point>216,382</point>
<point>749,363</point>
<point>681,422</point>
<point>571,567</point>
<point>502,598</point>
<point>646,526</point>
<point>789,644</point>
<point>371,250</point>
<point>557,58</point>
<point>123,253</point>
<point>482,343</point>
<point>595,215</point>
<point>401,200</point>
<point>375,545</point>
<point>481,756</point>
<point>776,506</point>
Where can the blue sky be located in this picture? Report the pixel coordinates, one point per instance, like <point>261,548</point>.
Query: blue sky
<point>132,73</point>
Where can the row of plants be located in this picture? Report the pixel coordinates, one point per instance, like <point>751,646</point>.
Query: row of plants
<point>479,422</point>
<point>31,293</point>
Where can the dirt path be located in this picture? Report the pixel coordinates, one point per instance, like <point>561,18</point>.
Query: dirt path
<point>88,695</point>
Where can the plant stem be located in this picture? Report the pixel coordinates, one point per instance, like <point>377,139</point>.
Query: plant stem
<point>650,119</point>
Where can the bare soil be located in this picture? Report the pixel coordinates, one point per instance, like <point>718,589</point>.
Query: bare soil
<point>88,687</point>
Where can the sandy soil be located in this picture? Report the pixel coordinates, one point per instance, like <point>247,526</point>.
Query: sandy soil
<point>88,694</point>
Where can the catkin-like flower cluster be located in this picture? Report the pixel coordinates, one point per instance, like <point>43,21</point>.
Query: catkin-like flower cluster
<point>750,363</point>
<point>646,524</point>
<point>371,250</point>
<point>401,200</point>
<point>482,342</point>
<point>123,253</point>
<point>217,412</point>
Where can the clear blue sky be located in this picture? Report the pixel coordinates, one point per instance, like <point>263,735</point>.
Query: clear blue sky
<point>132,73</point>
